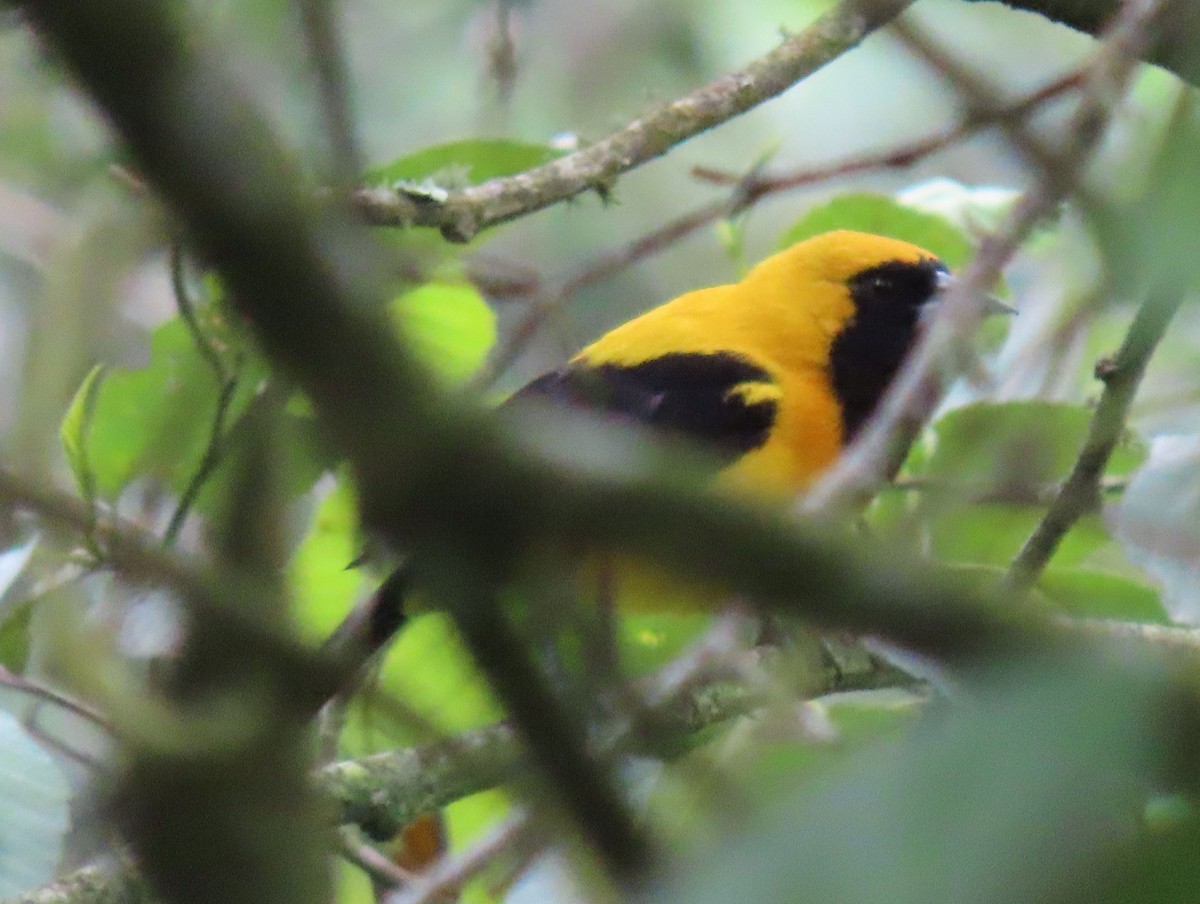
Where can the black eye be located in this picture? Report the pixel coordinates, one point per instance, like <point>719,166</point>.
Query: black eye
<point>882,285</point>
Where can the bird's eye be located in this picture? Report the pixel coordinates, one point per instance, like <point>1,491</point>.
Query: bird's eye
<point>882,284</point>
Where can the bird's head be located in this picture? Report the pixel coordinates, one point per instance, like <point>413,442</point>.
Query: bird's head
<point>868,295</point>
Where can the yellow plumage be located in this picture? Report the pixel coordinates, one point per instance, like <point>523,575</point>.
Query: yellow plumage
<point>783,316</point>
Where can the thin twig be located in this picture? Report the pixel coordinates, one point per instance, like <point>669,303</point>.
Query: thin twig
<point>557,739</point>
<point>187,312</point>
<point>604,266</point>
<point>452,872</point>
<point>502,53</point>
<point>881,447</point>
<point>138,557</point>
<point>210,459</point>
<point>463,213</point>
<point>379,868</point>
<point>902,155</point>
<point>227,382</point>
<point>1079,492</point>
<point>129,548</point>
<point>1173,638</point>
<point>49,696</point>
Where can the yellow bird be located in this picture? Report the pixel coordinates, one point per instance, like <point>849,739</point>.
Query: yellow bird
<point>774,373</point>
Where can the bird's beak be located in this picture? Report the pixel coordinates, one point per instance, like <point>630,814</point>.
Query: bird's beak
<point>991,303</point>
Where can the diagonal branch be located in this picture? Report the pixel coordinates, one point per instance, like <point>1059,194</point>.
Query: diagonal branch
<point>463,213</point>
<point>1077,496</point>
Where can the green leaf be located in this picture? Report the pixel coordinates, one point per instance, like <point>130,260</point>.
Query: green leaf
<point>1098,594</point>
<point>985,479</point>
<point>449,327</point>
<point>153,421</point>
<point>1017,443</point>
<point>1149,240</point>
<point>35,816</point>
<point>648,641</point>
<point>884,216</point>
<point>459,163</point>
<point>14,637</point>
<point>323,586</point>
<point>1157,865</point>
<point>74,430</point>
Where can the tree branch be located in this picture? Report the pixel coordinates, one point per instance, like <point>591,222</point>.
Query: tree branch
<point>463,213</point>
<point>1077,496</point>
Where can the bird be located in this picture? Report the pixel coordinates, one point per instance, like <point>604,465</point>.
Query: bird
<point>774,374</point>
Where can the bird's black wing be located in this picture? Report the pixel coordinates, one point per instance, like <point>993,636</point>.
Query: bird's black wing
<point>691,394</point>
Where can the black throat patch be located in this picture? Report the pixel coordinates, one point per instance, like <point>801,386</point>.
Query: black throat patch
<point>870,349</point>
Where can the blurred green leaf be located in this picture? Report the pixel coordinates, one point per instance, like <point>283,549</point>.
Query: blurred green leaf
<point>983,479</point>
<point>1096,594</point>
<point>648,641</point>
<point>36,812</point>
<point>152,421</point>
<point>993,533</point>
<point>1157,867</point>
<point>459,163</point>
<point>884,216</point>
<point>156,421</point>
<point>14,637</point>
<point>1025,444</point>
<point>448,326</point>
<point>1149,241</point>
<point>76,424</point>
<point>1008,798</point>
<point>322,585</point>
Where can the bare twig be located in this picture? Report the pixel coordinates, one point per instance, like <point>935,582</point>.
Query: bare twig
<point>904,155</point>
<point>604,266</point>
<point>1079,492</point>
<point>463,213</point>
<point>227,383</point>
<point>879,450</point>
<point>451,873</point>
<point>139,558</point>
<point>502,53</point>
<point>381,870</point>
<point>49,696</point>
